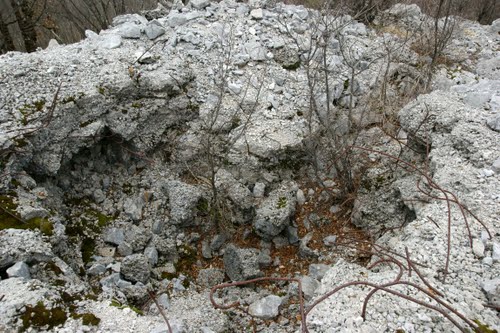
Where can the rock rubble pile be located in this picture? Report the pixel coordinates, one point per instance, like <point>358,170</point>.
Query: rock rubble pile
<point>171,153</point>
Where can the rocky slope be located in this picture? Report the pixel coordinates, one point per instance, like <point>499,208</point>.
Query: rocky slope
<point>172,152</point>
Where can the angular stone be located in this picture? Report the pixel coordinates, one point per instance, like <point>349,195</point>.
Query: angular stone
<point>494,122</point>
<point>183,199</point>
<point>478,248</point>
<point>241,264</point>
<point>274,213</point>
<point>175,19</point>
<point>96,269</point>
<point>110,280</point>
<point>309,286</point>
<point>304,250</point>
<point>292,235</point>
<point>129,30</point>
<point>206,251</point>
<point>20,269</point>
<point>199,4</point>
<point>217,242</point>
<point>317,271</point>
<point>114,236</point>
<point>266,308</point>
<point>137,237</point>
<point>164,301</point>
<point>110,41</point>
<point>256,51</point>
<point>125,249</point>
<point>136,268</point>
<point>210,277</point>
<point>496,252</point>
<point>257,14</point>
<point>496,165</point>
<point>90,34</point>
<point>301,198</point>
<point>152,254</point>
<point>330,240</point>
<point>492,290</point>
<point>154,29</point>
<point>133,208</point>
<point>259,190</point>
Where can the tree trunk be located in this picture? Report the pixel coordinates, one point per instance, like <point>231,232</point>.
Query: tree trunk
<point>24,16</point>
<point>8,43</point>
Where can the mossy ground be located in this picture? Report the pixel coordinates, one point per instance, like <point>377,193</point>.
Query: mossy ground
<point>40,316</point>
<point>85,225</point>
<point>10,219</point>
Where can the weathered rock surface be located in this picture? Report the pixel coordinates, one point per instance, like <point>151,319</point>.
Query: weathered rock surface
<point>144,123</point>
<point>266,308</point>
<point>241,264</point>
<point>136,268</point>
<point>274,214</point>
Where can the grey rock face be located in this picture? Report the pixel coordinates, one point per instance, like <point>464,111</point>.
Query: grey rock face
<point>309,286</point>
<point>183,199</point>
<point>317,271</point>
<point>304,250</point>
<point>256,51</point>
<point>175,19</point>
<point>496,252</point>
<point>210,277</point>
<point>20,269</point>
<point>274,213</point>
<point>129,18</point>
<point>266,308</point>
<point>164,301</point>
<point>206,251</point>
<point>478,248</point>
<point>114,236</point>
<point>136,268</point>
<point>241,264</point>
<point>128,30</point>
<point>22,246</point>
<point>96,269</point>
<point>154,29</point>
<point>436,112</point>
<point>492,290</point>
<point>137,237</point>
<point>259,190</point>
<point>494,122</point>
<point>379,205</point>
<point>125,249</point>
<point>199,4</point>
<point>152,254</point>
<point>238,193</point>
<point>110,41</point>
<point>133,208</point>
<point>330,240</point>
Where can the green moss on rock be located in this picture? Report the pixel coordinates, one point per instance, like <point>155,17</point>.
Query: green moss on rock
<point>88,319</point>
<point>39,316</point>
<point>10,219</point>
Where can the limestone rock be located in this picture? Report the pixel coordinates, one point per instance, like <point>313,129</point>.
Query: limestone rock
<point>241,264</point>
<point>136,268</point>
<point>266,308</point>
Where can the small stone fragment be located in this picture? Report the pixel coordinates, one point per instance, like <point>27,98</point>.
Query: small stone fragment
<point>20,269</point>
<point>136,268</point>
<point>266,308</point>
<point>478,249</point>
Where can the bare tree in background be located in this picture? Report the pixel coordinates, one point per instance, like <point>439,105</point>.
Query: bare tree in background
<point>25,15</point>
<point>6,42</point>
<point>91,14</point>
<point>28,24</point>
